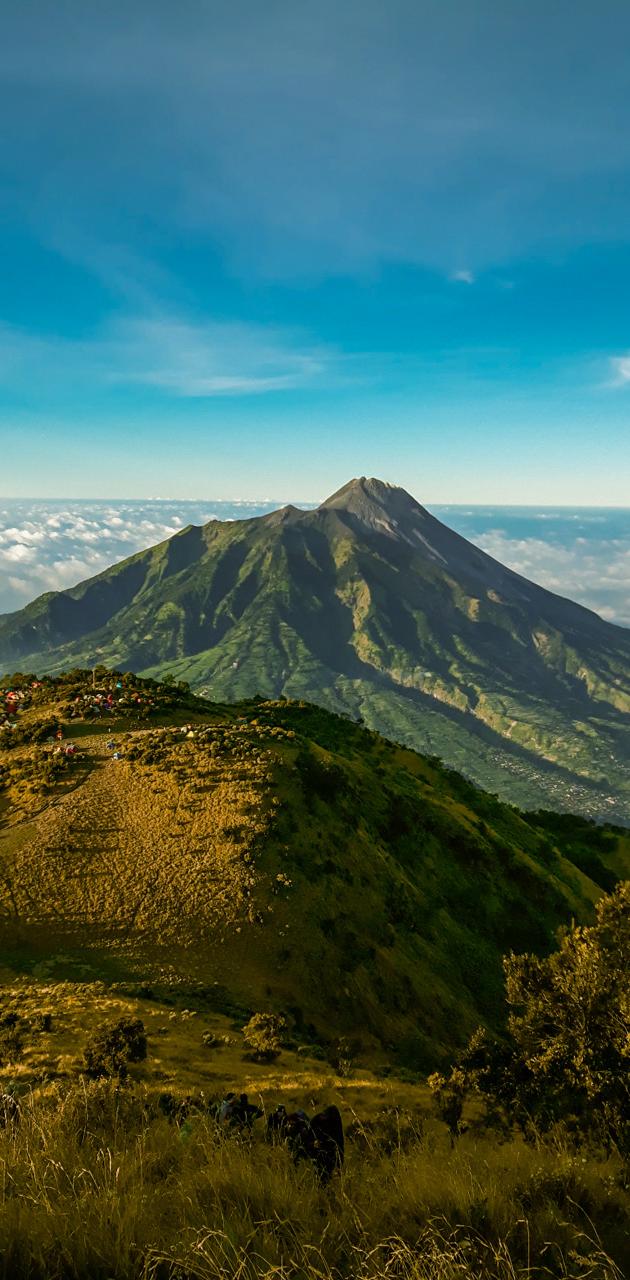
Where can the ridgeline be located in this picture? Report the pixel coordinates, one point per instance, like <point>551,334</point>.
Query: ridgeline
<point>272,855</point>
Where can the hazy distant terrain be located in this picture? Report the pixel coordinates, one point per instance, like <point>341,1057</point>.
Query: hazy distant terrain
<point>583,553</point>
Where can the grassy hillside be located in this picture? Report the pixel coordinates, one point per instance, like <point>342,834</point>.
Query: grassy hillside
<point>97,1182</point>
<point>97,1185</point>
<point>188,863</point>
<point>368,606</point>
<point>271,855</point>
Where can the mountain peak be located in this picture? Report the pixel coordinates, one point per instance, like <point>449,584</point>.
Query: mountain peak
<point>374,501</point>
<point>367,604</point>
<point>369,486</point>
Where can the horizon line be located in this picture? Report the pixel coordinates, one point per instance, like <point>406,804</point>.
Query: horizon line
<point>309,503</point>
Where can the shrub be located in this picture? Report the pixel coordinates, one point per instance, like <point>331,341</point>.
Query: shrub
<point>343,1054</point>
<point>324,780</point>
<point>449,1093</point>
<point>565,1056</point>
<point>111,1049</point>
<point>11,1045</point>
<point>262,1035</point>
<point>570,1024</point>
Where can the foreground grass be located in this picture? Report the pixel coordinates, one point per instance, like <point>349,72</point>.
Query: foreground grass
<point>94,1184</point>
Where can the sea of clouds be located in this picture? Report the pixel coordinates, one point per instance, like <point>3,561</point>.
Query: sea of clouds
<point>46,545</point>
<point>582,553</point>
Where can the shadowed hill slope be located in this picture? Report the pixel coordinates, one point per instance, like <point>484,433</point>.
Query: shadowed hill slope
<point>281,857</point>
<point>367,605</point>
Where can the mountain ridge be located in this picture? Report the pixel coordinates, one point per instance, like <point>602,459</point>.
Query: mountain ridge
<point>367,604</point>
<point>275,855</point>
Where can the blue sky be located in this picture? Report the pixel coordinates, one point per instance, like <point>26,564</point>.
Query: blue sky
<point>254,249</point>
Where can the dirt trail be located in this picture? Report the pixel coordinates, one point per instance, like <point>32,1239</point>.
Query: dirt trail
<point>136,848</point>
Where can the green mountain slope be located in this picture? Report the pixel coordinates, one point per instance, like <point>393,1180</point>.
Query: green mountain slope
<point>371,606</point>
<point>282,857</point>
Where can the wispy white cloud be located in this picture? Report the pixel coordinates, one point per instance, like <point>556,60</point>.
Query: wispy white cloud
<point>175,355</point>
<point>463,276</point>
<point>620,370</point>
<point>594,571</point>
<point>211,359</point>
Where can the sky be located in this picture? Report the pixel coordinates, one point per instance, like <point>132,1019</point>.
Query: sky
<point>257,249</point>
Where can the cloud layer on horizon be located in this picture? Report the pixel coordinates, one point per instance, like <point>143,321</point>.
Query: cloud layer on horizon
<point>594,572</point>
<point>48,546</point>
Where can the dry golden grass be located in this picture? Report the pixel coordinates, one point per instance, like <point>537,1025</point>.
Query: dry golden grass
<point>178,1059</point>
<point>91,1185</point>
<point>167,850</point>
<point>94,1182</point>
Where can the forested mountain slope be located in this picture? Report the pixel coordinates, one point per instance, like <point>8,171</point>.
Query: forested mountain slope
<point>367,605</point>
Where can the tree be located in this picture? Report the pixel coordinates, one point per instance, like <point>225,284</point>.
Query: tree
<point>263,1036</point>
<point>110,1050</point>
<point>570,1022</point>
<point>449,1094</point>
<point>566,1055</point>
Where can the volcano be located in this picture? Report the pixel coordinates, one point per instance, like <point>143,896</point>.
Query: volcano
<point>370,606</point>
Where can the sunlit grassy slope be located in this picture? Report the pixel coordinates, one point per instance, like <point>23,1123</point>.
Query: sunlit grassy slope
<point>275,856</point>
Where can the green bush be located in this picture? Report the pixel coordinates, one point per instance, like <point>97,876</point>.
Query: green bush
<point>111,1049</point>
<point>565,1058</point>
<point>342,1056</point>
<point>319,779</point>
<point>263,1036</point>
